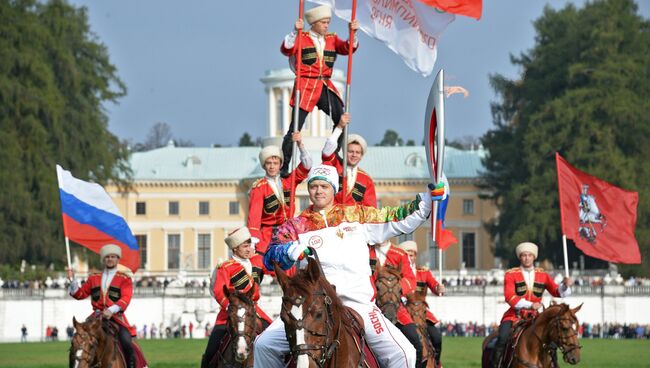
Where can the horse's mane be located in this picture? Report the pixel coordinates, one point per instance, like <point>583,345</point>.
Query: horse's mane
<point>390,269</point>
<point>300,283</point>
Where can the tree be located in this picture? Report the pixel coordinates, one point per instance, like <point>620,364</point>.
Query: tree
<point>246,141</point>
<point>584,91</point>
<point>159,136</point>
<point>391,138</point>
<point>54,78</point>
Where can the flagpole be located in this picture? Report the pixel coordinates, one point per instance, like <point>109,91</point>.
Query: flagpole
<point>67,252</point>
<point>296,110</point>
<point>439,264</point>
<point>348,82</point>
<point>566,257</point>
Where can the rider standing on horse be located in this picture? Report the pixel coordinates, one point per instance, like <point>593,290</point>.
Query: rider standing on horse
<point>425,280</point>
<point>269,196</point>
<point>388,254</point>
<point>242,272</point>
<point>340,234</point>
<point>110,293</point>
<point>523,288</point>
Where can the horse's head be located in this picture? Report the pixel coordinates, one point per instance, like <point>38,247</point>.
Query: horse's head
<point>389,290</point>
<point>309,309</point>
<point>83,351</point>
<point>242,322</point>
<point>562,330</point>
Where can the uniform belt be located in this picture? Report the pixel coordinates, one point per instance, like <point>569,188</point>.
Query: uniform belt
<point>322,78</point>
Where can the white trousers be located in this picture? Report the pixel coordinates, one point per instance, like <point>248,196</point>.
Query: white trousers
<point>390,346</point>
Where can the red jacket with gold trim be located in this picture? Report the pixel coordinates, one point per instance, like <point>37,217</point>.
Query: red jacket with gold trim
<point>363,190</point>
<point>119,293</point>
<point>425,280</point>
<point>397,257</point>
<point>315,70</point>
<point>265,210</point>
<point>233,275</point>
<point>515,289</point>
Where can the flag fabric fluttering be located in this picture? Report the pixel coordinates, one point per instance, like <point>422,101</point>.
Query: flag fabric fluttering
<point>409,28</point>
<point>444,237</point>
<point>91,218</point>
<point>469,8</point>
<point>599,217</point>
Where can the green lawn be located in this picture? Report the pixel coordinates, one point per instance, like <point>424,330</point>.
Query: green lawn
<point>457,352</point>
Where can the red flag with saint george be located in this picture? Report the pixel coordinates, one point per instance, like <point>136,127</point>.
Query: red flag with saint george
<point>598,216</point>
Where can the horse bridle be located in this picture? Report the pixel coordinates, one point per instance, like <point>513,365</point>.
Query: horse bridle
<point>93,342</point>
<point>234,333</point>
<point>331,344</point>
<point>384,280</point>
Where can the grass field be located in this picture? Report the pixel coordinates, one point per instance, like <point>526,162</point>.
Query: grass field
<point>457,352</point>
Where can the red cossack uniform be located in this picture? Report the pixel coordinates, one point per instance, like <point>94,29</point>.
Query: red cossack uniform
<point>265,210</point>
<point>515,289</point>
<point>363,190</point>
<point>397,257</point>
<point>425,280</point>
<point>233,275</point>
<point>315,70</point>
<point>119,293</point>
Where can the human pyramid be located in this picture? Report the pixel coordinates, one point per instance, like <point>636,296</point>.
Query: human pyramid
<point>341,237</point>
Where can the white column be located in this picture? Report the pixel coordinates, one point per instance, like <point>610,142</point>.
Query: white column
<point>286,119</point>
<point>273,116</point>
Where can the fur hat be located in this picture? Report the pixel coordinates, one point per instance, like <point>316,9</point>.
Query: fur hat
<point>237,237</point>
<point>315,14</point>
<point>526,247</point>
<point>409,245</point>
<point>327,173</point>
<point>355,138</point>
<point>110,249</point>
<point>270,151</point>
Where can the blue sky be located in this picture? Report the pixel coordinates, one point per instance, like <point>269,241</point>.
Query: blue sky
<point>196,65</point>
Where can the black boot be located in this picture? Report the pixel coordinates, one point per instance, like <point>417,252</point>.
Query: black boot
<point>497,355</point>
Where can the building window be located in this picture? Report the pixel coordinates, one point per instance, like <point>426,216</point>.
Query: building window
<point>468,206</point>
<point>142,244</point>
<point>469,250</point>
<point>204,250</point>
<point>404,237</point>
<point>233,208</point>
<point>173,208</point>
<point>140,208</point>
<point>204,208</point>
<point>173,251</point>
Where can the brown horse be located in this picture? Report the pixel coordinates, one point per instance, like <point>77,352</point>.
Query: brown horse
<point>417,307</point>
<point>318,326</point>
<point>389,290</point>
<point>237,352</point>
<point>93,346</point>
<point>536,347</point>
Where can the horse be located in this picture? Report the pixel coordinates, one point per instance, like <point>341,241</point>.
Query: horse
<point>389,290</point>
<point>537,343</point>
<point>236,350</point>
<point>320,329</point>
<point>417,306</point>
<point>93,346</point>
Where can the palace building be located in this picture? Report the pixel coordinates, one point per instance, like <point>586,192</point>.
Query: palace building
<point>185,200</point>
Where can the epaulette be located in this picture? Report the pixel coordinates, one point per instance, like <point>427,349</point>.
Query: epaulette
<point>513,269</point>
<point>257,183</point>
<point>539,269</point>
<point>331,34</point>
<point>225,263</point>
<point>126,274</point>
<point>399,250</point>
<point>422,268</point>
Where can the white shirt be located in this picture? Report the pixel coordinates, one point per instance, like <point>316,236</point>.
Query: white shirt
<point>248,266</point>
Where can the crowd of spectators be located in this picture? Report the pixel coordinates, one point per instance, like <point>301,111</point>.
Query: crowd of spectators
<point>585,331</point>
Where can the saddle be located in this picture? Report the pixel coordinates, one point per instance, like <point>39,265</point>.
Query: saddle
<point>111,328</point>
<point>354,325</point>
<point>511,344</point>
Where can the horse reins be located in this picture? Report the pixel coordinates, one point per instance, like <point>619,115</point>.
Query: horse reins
<point>235,333</point>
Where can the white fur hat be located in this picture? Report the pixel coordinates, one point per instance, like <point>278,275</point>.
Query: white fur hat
<point>409,245</point>
<point>110,249</point>
<point>526,247</point>
<point>327,173</point>
<point>270,151</point>
<point>320,12</point>
<point>237,237</point>
<point>355,138</point>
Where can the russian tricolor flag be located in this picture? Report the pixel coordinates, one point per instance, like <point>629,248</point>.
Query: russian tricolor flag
<point>91,218</point>
<point>444,237</point>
